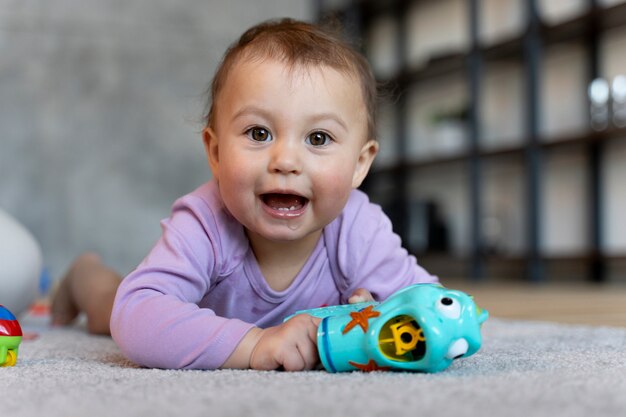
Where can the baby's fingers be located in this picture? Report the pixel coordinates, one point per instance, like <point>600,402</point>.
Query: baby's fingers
<point>294,360</point>
<point>308,349</point>
<point>264,361</point>
<point>304,354</point>
<point>360,295</point>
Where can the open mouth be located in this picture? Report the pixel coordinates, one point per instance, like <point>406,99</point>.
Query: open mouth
<point>284,203</point>
<point>402,339</point>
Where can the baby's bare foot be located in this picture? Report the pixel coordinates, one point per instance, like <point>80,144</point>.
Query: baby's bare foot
<point>89,287</point>
<point>64,308</point>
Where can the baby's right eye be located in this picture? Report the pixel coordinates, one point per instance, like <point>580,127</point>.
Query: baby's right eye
<point>259,134</point>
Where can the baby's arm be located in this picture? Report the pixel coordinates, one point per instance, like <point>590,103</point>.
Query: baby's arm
<point>291,345</point>
<point>156,318</point>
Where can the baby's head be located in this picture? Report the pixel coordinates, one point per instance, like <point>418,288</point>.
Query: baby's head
<point>298,44</point>
<point>290,131</point>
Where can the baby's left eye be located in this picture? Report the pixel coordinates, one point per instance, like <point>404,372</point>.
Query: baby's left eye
<point>318,139</point>
<point>259,134</point>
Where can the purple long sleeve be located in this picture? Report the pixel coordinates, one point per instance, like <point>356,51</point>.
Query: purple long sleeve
<point>156,320</point>
<point>200,289</point>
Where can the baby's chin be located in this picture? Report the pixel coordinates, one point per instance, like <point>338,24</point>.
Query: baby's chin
<point>290,233</point>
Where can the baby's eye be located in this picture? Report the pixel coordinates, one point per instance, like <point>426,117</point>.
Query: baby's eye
<point>318,139</point>
<point>259,134</point>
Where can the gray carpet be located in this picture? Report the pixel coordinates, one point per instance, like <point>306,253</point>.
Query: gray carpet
<point>524,369</point>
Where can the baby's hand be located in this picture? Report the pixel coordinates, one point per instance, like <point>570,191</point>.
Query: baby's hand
<point>292,345</point>
<point>360,295</point>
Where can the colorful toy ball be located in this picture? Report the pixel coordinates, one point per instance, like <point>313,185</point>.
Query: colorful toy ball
<point>10,337</point>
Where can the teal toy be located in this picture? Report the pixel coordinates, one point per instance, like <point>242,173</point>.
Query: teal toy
<point>423,327</point>
<point>10,337</point>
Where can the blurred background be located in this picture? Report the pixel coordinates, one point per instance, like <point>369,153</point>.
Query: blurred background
<point>101,106</point>
<point>502,129</point>
<point>503,153</point>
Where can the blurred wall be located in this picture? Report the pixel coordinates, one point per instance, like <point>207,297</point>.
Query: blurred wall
<point>100,114</point>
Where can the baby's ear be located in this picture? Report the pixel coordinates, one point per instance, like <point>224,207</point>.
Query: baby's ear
<point>363,164</point>
<point>211,148</point>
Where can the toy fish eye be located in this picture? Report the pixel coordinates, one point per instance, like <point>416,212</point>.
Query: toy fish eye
<point>449,307</point>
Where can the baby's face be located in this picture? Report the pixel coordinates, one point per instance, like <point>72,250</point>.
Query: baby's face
<point>288,146</point>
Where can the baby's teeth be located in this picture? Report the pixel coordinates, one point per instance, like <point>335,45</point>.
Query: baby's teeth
<point>286,208</point>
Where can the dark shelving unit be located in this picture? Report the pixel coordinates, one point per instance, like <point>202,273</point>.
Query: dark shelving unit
<point>527,47</point>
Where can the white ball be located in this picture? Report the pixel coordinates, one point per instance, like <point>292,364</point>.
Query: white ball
<point>20,265</point>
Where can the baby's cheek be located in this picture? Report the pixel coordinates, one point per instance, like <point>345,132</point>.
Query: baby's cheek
<point>240,176</point>
<point>335,195</point>
<point>237,189</point>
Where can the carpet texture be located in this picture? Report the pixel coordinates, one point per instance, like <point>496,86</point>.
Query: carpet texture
<point>524,369</point>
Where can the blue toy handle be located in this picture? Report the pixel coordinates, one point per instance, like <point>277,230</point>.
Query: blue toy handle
<point>337,310</point>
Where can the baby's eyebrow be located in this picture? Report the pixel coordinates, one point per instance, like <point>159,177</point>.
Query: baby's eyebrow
<point>313,119</point>
<point>254,110</point>
<point>316,118</point>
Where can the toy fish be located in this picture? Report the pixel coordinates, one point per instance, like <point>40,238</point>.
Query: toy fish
<point>10,337</point>
<point>423,327</point>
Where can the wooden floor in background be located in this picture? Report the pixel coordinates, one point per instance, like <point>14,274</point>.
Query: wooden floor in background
<point>601,305</point>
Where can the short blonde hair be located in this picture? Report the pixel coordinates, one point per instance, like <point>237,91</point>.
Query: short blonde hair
<point>298,43</point>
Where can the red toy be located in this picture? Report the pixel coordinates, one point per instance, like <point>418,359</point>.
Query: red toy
<point>10,337</point>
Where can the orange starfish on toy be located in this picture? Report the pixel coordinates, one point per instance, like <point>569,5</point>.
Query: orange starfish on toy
<point>361,318</point>
<point>371,366</point>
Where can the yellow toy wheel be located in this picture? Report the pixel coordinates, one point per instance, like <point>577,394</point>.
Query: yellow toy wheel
<point>11,358</point>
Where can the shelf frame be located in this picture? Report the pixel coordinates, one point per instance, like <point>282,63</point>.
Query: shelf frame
<point>528,47</point>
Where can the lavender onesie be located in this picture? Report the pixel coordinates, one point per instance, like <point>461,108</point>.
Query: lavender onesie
<point>200,289</point>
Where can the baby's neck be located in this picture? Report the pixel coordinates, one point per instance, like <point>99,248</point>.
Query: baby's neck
<point>280,262</point>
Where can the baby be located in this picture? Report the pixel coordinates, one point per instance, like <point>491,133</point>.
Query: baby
<point>289,136</point>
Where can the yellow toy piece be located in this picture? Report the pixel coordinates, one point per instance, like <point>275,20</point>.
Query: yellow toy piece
<point>399,338</point>
<point>406,336</point>
<point>11,359</point>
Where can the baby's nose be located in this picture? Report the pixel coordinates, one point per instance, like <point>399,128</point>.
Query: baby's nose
<point>285,158</point>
